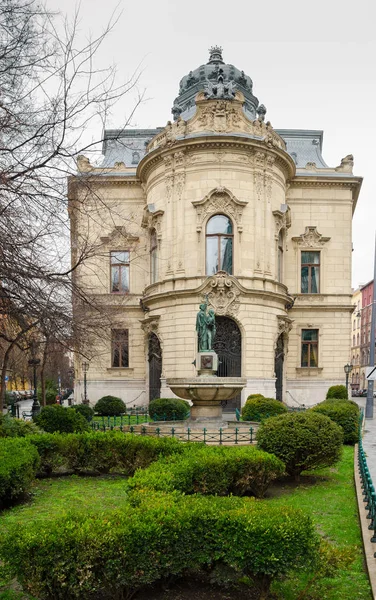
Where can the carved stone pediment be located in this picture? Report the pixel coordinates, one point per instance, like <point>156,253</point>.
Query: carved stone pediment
<point>222,294</point>
<point>118,237</point>
<point>219,200</point>
<point>284,324</point>
<point>311,238</point>
<point>153,220</point>
<point>282,220</point>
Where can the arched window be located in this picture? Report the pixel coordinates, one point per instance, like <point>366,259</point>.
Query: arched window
<point>353,340</point>
<point>219,245</point>
<point>280,257</point>
<point>153,257</point>
<point>357,339</point>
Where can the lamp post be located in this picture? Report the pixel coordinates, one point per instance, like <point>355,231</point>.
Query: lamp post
<point>71,376</point>
<point>347,368</point>
<point>34,362</point>
<point>85,368</point>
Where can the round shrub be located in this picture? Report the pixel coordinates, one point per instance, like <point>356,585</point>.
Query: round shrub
<point>110,406</point>
<point>85,410</point>
<point>19,461</point>
<point>168,409</point>
<point>58,418</point>
<point>251,396</point>
<point>260,408</point>
<point>338,392</point>
<point>345,413</point>
<point>302,440</point>
<point>215,470</point>
<point>12,427</point>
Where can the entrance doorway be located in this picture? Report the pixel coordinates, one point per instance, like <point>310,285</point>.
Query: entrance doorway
<point>228,346</point>
<point>279,358</point>
<point>155,367</point>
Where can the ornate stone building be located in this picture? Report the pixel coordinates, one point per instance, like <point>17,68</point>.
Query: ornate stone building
<point>217,204</point>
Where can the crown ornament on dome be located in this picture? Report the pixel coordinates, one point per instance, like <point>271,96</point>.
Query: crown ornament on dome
<point>215,55</point>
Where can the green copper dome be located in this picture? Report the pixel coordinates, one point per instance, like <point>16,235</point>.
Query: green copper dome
<point>217,79</point>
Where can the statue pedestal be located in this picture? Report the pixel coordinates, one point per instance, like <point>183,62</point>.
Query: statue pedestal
<point>207,363</point>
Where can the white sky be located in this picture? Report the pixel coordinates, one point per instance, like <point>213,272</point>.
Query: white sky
<point>312,65</point>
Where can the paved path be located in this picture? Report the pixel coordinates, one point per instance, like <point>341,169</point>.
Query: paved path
<point>369,438</point>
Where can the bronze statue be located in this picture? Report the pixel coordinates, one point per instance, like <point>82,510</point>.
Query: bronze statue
<point>205,327</point>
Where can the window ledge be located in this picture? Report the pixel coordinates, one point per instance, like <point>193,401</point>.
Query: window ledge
<point>120,371</point>
<point>309,370</point>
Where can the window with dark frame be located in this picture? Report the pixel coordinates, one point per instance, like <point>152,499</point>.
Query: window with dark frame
<point>119,348</point>
<point>153,257</point>
<point>309,355</point>
<point>119,272</point>
<point>310,272</point>
<point>219,245</point>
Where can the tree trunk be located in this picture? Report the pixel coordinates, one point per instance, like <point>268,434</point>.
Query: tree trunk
<point>42,378</point>
<point>3,374</point>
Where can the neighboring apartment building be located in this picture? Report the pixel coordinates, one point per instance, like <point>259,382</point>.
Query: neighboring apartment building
<point>356,374</point>
<point>217,205</point>
<point>365,330</point>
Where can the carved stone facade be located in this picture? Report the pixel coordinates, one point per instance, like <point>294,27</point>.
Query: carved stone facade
<point>280,202</point>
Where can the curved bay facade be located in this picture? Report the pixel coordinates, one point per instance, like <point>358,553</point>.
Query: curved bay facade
<point>221,206</point>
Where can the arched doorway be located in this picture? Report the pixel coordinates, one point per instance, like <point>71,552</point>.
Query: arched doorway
<point>279,357</point>
<point>228,346</point>
<point>155,367</point>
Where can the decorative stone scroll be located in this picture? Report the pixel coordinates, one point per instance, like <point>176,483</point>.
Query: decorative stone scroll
<point>118,237</point>
<point>282,221</point>
<point>219,200</point>
<point>150,325</point>
<point>222,294</point>
<point>311,238</point>
<point>153,220</point>
<point>284,325</point>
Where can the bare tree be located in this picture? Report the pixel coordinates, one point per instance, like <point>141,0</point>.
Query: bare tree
<point>50,94</point>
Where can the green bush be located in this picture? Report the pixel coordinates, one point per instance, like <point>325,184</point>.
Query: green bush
<point>159,536</point>
<point>214,470</point>
<point>301,440</point>
<point>51,392</point>
<point>260,408</point>
<point>12,427</point>
<point>19,461</point>
<point>168,409</point>
<point>100,453</point>
<point>251,396</point>
<point>345,413</point>
<point>58,418</point>
<point>337,391</point>
<point>85,410</point>
<point>110,406</point>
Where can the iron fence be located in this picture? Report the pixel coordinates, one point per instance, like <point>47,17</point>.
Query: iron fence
<point>369,494</point>
<point>221,436</point>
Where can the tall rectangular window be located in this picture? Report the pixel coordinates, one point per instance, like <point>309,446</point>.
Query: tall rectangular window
<point>310,273</point>
<point>119,348</point>
<point>309,357</point>
<point>120,272</point>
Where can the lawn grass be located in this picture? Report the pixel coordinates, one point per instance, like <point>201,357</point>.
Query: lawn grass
<point>327,494</point>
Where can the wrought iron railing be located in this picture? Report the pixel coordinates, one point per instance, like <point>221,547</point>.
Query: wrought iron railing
<point>369,494</point>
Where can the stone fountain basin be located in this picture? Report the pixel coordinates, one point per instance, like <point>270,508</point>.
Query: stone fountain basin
<point>207,389</point>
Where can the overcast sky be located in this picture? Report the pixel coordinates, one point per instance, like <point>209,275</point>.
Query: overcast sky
<point>312,65</point>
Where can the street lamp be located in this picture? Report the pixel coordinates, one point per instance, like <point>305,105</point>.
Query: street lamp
<point>85,368</point>
<point>34,362</point>
<point>347,368</point>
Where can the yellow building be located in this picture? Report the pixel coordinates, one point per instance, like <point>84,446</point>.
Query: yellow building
<point>217,204</point>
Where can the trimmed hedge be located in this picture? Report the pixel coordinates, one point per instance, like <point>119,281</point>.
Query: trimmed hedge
<point>63,420</point>
<point>110,406</point>
<point>161,535</point>
<point>100,453</point>
<point>214,470</point>
<point>251,396</point>
<point>19,461</point>
<point>345,413</point>
<point>302,440</point>
<point>258,408</point>
<point>169,409</point>
<point>339,392</point>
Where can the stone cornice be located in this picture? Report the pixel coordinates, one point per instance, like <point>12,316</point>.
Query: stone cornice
<point>352,183</point>
<point>215,142</point>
